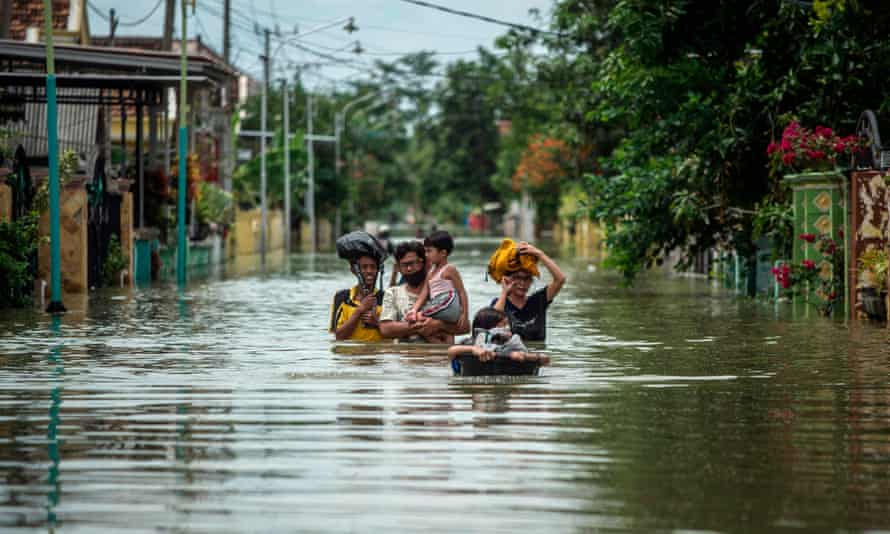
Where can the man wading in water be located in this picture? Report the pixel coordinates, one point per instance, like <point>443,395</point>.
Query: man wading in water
<point>355,311</point>
<point>398,301</point>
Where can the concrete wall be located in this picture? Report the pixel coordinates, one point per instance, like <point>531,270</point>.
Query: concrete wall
<point>324,235</point>
<point>244,236</point>
<point>586,240</point>
<point>74,214</point>
<point>126,233</point>
<point>5,202</point>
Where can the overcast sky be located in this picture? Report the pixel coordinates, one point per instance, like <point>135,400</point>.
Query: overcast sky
<point>387,28</point>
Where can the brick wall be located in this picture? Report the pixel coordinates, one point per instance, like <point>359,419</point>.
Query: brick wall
<point>28,13</point>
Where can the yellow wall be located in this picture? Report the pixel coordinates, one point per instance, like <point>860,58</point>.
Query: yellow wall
<point>244,237</point>
<point>324,233</point>
<point>74,214</point>
<point>5,202</point>
<point>126,233</point>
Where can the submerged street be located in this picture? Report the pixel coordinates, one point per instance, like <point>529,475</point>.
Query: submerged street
<point>670,405</point>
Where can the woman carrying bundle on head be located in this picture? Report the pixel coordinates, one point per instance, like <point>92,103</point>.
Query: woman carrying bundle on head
<point>514,266</point>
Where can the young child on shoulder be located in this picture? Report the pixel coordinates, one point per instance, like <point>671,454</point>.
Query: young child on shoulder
<point>492,338</point>
<point>443,296</point>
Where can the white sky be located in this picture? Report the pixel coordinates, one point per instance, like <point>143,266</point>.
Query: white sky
<point>387,28</point>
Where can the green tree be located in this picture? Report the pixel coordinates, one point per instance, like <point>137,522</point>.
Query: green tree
<point>698,107</point>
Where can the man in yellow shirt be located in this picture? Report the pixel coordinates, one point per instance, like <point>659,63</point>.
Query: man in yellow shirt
<point>355,312</point>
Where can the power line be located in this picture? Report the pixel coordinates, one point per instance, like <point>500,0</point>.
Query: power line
<point>98,12</point>
<point>146,17</point>
<point>481,17</point>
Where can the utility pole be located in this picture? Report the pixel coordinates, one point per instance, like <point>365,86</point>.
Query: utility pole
<point>263,122</point>
<point>286,166</point>
<point>338,131</point>
<point>112,21</point>
<point>169,16</point>
<point>52,137</point>
<point>310,164</point>
<point>181,248</point>
<point>227,23</point>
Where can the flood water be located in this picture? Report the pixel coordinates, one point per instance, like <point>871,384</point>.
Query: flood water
<point>672,406</point>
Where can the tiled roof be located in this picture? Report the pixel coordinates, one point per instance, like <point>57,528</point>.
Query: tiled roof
<point>28,13</point>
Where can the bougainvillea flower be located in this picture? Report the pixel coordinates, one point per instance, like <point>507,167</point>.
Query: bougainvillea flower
<point>809,238</point>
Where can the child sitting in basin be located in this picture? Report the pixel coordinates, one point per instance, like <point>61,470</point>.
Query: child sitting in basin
<point>492,338</point>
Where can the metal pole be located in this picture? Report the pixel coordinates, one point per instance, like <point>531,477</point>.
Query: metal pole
<point>310,162</point>
<point>182,245</point>
<point>52,133</point>
<point>227,24</point>
<point>286,167</point>
<point>140,160</point>
<point>263,123</point>
<point>338,131</point>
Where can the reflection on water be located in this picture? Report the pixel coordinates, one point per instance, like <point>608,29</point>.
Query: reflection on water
<point>672,405</point>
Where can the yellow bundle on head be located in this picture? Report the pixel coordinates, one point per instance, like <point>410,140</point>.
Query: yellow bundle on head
<point>507,259</point>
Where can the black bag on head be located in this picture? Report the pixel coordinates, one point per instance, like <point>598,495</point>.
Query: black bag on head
<point>354,245</point>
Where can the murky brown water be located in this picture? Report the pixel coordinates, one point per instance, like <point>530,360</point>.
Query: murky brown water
<point>671,406</point>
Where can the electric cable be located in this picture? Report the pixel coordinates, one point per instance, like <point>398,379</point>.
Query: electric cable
<point>98,12</point>
<point>483,18</point>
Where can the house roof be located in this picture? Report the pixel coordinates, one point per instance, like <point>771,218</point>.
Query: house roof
<point>74,58</point>
<point>97,81</point>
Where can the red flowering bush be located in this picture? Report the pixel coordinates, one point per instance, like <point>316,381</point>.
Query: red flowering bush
<point>800,279</point>
<point>802,149</point>
<point>795,279</point>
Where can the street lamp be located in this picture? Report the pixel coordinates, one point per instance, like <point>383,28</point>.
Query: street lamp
<point>267,58</point>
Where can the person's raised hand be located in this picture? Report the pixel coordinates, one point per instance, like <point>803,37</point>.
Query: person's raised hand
<point>507,284</point>
<point>528,249</point>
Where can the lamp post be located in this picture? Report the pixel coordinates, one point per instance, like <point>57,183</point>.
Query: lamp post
<point>267,58</point>
<point>52,134</point>
<point>182,244</point>
<point>286,166</point>
<point>339,128</point>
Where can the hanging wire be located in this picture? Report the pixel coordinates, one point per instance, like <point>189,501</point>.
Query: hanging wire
<point>483,18</point>
<point>103,16</point>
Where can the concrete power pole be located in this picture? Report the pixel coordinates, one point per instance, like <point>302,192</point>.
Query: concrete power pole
<point>263,123</point>
<point>286,167</point>
<point>227,23</point>
<point>310,164</point>
<point>169,14</point>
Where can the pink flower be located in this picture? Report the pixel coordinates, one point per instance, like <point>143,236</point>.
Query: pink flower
<point>809,238</point>
<point>791,130</point>
<point>824,132</point>
<point>839,147</point>
<point>816,154</point>
<point>788,158</point>
<point>772,149</point>
<point>786,145</point>
<point>808,264</point>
